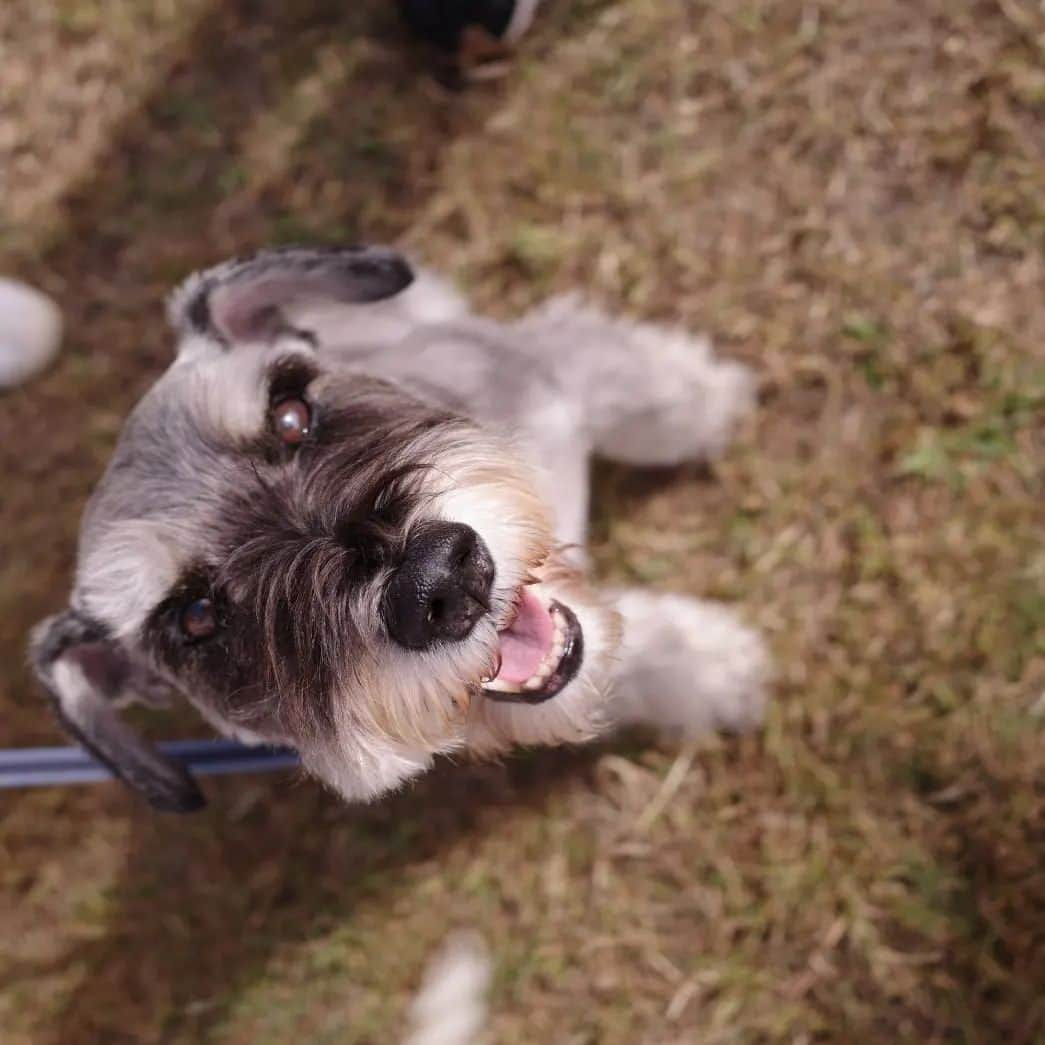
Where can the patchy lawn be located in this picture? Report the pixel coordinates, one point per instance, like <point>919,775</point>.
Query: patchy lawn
<point>850,196</point>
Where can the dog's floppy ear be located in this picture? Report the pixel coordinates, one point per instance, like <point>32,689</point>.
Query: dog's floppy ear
<point>84,672</point>
<point>248,299</point>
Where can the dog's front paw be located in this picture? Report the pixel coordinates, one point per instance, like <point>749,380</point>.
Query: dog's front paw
<point>726,392</point>
<point>689,667</point>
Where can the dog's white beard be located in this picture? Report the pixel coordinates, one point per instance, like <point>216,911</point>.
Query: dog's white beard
<point>433,704</point>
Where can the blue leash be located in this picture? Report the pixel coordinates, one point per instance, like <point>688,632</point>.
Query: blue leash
<point>50,766</point>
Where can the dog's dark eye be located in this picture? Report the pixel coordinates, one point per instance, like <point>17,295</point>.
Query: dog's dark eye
<point>199,620</point>
<point>292,420</point>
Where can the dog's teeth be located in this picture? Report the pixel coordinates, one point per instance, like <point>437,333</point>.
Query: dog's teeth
<point>494,671</point>
<point>542,674</point>
<point>549,663</point>
<point>501,687</point>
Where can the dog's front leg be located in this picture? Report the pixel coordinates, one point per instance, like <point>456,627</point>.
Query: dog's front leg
<point>651,395</point>
<point>687,666</point>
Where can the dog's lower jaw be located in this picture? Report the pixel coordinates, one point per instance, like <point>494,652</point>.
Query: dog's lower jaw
<point>580,711</point>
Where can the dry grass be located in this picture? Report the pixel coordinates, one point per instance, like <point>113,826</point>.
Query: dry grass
<point>848,194</point>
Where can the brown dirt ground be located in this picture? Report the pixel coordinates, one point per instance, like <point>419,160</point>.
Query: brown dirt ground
<point>849,194</point>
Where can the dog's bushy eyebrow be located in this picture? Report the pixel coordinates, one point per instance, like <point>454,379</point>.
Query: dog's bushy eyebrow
<point>290,376</point>
<point>302,574</point>
<point>287,376</point>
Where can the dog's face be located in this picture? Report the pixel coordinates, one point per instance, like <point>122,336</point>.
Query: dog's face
<point>317,557</point>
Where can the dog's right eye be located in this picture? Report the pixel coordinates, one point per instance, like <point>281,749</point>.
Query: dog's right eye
<point>292,421</point>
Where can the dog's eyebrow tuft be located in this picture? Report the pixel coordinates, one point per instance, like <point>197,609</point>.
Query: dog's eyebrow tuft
<point>290,376</point>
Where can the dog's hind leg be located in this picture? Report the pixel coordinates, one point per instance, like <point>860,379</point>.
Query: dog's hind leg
<point>687,666</point>
<point>652,395</point>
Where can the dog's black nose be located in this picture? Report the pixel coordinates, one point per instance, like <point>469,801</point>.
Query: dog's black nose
<point>441,588</point>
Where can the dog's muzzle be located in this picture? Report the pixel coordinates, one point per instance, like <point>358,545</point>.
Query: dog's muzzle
<point>442,589</point>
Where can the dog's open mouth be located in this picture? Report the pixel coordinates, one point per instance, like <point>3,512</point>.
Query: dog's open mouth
<point>541,650</point>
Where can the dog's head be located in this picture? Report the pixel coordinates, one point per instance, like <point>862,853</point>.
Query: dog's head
<point>315,556</point>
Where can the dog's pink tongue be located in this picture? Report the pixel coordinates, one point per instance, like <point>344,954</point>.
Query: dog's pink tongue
<point>524,644</point>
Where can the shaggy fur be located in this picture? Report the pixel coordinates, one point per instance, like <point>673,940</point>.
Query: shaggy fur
<point>422,415</point>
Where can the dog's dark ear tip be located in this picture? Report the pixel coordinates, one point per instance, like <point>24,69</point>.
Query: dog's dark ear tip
<point>83,672</point>
<point>189,800</point>
<point>166,783</point>
<point>401,272</point>
<point>390,270</point>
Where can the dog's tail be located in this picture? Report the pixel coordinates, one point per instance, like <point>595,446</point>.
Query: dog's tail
<point>450,1008</point>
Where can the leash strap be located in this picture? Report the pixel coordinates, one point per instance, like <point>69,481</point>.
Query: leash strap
<point>53,766</point>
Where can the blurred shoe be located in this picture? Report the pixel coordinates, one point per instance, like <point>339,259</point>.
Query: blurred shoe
<point>445,22</point>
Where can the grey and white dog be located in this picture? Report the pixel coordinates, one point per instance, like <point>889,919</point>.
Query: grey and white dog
<point>350,518</point>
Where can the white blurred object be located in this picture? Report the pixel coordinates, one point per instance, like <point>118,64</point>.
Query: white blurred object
<point>30,332</point>
<point>450,1008</point>
<point>522,16</point>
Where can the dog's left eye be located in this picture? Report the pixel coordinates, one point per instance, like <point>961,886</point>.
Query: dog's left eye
<point>199,620</point>
<point>292,421</point>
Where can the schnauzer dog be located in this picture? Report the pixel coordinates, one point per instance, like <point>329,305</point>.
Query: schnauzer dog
<point>350,518</point>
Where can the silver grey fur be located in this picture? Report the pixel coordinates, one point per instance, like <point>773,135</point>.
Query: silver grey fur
<point>428,412</point>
